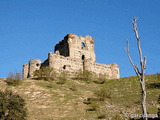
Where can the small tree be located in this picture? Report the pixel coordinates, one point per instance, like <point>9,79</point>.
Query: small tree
<point>45,73</point>
<point>139,72</point>
<point>102,94</point>
<point>62,77</point>
<point>84,75</point>
<point>14,79</point>
<point>12,106</point>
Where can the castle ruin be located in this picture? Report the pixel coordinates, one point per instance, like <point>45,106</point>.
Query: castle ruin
<point>72,54</point>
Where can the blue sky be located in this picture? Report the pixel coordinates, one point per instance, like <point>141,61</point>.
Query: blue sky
<point>30,29</point>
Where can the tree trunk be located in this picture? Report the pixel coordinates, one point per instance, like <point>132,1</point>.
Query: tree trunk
<point>144,111</point>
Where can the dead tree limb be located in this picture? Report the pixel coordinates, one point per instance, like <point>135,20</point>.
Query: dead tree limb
<point>139,72</point>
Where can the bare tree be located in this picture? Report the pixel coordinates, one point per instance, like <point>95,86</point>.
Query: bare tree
<point>139,72</point>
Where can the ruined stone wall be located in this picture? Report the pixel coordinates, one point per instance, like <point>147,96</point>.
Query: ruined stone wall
<point>25,71</point>
<point>62,63</point>
<point>115,71</point>
<point>72,54</point>
<point>45,63</point>
<point>62,47</point>
<point>82,47</point>
<point>71,65</point>
<point>83,54</point>
<point>76,47</point>
<point>111,71</point>
<point>34,64</point>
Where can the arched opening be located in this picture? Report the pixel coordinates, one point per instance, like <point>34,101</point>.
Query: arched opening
<point>37,65</point>
<point>83,57</point>
<point>64,67</point>
<point>83,45</point>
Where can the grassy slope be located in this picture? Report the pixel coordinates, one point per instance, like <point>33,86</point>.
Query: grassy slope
<point>51,101</point>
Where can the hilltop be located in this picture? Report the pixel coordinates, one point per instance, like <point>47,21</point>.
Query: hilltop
<point>48,100</point>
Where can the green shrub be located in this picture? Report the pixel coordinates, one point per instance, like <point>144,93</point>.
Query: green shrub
<point>12,106</point>
<point>102,94</point>
<point>14,79</point>
<point>102,112</point>
<point>62,77</point>
<point>84,75</point>
<point>45,73</point>
<point>94,106</point>
<point>101,79</point>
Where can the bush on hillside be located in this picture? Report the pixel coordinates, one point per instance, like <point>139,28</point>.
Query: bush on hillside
<point>102,94</point>
<point>14,79</point>
<point>62,77</point>
<point>12,106</point>
<point>45,73</point>
<point>84,75</point>
<point>101,79</point>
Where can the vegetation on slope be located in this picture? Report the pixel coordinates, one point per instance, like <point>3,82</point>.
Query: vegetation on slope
<point>80,99</point>
<point>12,106</point>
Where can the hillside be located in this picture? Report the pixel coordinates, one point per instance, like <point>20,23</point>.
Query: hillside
<point>47,100</point>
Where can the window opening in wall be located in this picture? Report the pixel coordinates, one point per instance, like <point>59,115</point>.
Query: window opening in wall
<point>83,57</point>
<point>83,45</point>
<point>37,65</point>
<point>64,67</point>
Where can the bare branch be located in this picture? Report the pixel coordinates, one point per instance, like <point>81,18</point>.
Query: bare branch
<point>144,62</point>
<point>135,29</point>
<point>136,66</point>
<point>130,59</point>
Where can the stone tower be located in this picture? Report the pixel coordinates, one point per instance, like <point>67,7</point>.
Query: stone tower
<point>25,71</point>
<point>34,64</point>
<point>81,48</point>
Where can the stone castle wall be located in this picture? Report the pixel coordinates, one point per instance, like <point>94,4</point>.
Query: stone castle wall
<point>62,63</point>
<point>81,47</point>
<point>25,70</point>
<point>62,48</point>
<point>72,54</point>
<point>111,71</point>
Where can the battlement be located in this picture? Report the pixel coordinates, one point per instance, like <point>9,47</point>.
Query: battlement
<point>72,54</point>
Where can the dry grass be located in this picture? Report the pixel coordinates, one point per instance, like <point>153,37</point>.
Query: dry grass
<point>48,100</point>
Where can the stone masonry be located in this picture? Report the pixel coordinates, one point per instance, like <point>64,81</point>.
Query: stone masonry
<point>72,54</point>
